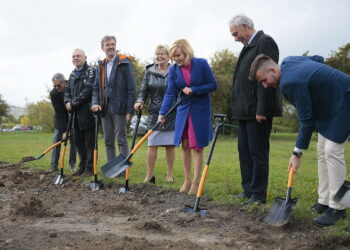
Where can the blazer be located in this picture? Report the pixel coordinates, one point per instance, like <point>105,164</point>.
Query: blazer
<point>198,105</point>
<point>321,95</point>
<point>248,97</point>
<point>119,91</point>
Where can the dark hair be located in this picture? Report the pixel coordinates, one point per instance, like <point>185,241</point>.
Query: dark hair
<point>258,62</point>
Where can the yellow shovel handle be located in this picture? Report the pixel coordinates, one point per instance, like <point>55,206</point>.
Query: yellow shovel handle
<point>201,183</point>
<point>95,161</point>
<point>54,145</point>
<point>62,156</point>
<point>291,176</point>
<point>141,141</point>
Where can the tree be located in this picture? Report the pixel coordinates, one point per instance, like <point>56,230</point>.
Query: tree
<point>222,64</point>
<point>4,107</point>
<point>340,59</point>
<point>41,114</point>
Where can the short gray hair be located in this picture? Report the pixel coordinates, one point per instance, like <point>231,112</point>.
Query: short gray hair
<point>58,77</point>
<point>107,38</point>
<point>241,19</point>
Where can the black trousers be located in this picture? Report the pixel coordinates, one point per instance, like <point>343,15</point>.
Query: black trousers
<point>254,148</point>
<point>84,141</point>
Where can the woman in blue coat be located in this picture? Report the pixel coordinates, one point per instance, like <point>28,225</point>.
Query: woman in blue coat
<point>191,76</point>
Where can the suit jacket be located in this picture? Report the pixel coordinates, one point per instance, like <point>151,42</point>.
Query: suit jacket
<point>321,95</point>
<point>198,105</point>
<point>248,97</point>
<point>119,91</point>
<point>61,114</point>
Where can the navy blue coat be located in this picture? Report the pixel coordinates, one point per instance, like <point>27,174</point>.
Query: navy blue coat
<point>321,95</point>
<point>198,105</point>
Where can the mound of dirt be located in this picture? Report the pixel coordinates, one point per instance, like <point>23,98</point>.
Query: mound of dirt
<point>27,206</point>
<point>71,216</point>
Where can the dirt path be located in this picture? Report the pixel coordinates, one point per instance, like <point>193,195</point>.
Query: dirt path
<point>35,214</point>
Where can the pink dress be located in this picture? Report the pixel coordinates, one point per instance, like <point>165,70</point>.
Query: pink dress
<point>189,130</point>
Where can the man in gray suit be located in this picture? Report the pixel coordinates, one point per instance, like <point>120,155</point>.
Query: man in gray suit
<point>114,95</point>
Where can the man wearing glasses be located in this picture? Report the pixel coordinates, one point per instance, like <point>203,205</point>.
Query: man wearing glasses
<point>60,121</point>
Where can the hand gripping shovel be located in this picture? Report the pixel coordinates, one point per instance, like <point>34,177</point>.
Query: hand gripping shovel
<point>119,164</point>
<point>282,208</point>
<point>60,177</point>
<point>343,194</point>
<point>220,120</point>
<point>96,184</point>
<point>126,186</point>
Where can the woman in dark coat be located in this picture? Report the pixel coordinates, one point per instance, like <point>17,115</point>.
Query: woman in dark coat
<point>154,85</point>
<point>193,77</point>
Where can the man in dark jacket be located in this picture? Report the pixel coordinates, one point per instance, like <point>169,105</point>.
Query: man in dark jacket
<point>114,94</point>
<point>77,99</point>
<point>254,107</point>
<point>60,121</point>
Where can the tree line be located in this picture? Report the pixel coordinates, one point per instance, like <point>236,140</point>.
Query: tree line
<point>222,63</point>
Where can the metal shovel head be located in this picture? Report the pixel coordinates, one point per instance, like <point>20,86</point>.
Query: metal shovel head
<point>190,210</point>
<point>59,179</point>
<point>280,211</point>
<point>115,167</point>
<point>96,185</point>
<point>122,190</point>
<point>343,194</point>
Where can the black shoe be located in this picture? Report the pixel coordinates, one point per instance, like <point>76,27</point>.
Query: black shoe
<point>53,168</point>
<point>79,172</point>
<point>330,217</point>
<point>72,168</point>
<point>319,208</point>
<point>152,180</point>
<point>253,200</point>
<point>87,173</point>
<point>242,196</point>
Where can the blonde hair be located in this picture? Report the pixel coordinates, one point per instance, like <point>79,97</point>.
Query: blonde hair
<point>163,47</point>
<point>185,47</point>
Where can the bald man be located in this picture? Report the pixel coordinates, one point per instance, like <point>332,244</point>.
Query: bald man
<point>77,99</point>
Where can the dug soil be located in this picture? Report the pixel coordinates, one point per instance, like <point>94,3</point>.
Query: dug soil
<point>35,214</point>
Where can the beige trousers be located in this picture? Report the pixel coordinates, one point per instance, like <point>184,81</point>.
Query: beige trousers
<point>331,171</point>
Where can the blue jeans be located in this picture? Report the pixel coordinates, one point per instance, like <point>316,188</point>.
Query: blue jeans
<point>56,151</point>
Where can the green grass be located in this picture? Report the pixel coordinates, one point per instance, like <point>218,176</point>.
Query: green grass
<point>223,178</point>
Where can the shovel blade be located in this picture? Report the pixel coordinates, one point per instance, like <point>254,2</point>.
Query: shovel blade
<point>280,212</point>
<point>96,185</point>
<point>115,167</point>
<point>58,180</point>
<point>190,210</point>
<point>343,194</point>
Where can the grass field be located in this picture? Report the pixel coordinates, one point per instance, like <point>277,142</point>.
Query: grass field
<point>223,180</point>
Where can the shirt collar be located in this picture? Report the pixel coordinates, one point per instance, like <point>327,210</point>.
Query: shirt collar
<point>252,37</point>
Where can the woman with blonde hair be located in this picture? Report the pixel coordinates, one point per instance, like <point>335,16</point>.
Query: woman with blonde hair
<point>192,76</point>
<point>154,85</point>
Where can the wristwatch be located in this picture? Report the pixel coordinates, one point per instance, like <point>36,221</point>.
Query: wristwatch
<point>297,154</point>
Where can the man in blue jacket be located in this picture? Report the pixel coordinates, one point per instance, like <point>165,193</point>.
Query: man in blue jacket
<point>321,96</point>
<point>114,94</point>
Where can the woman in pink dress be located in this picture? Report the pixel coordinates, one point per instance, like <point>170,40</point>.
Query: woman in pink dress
<point>193,128</point>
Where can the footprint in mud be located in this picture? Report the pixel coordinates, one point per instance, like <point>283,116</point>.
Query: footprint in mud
<point>152,226</point>
<point>27,206</point>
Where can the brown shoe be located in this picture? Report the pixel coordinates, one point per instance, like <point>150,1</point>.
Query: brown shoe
<point>79,172</point>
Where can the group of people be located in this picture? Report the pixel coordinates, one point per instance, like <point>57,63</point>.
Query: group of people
<point>320,94</point>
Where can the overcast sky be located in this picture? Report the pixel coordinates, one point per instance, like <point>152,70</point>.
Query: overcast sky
<point>38,37</point>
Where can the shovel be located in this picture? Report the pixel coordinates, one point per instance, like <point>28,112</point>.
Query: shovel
<point>119,164</point>
<point>126,186</point>
<point>220,120</point>
<point>282,208</point>
<point>60,177</point>
<point>343,194</point>
<point>96,184</point>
